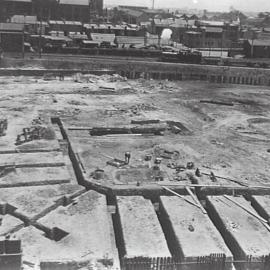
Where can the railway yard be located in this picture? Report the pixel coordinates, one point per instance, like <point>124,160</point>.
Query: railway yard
<point>103,172</point>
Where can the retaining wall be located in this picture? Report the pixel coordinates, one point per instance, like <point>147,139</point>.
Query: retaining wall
<point>134,69</point>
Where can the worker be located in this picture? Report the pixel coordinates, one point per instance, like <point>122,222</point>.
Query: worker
<point>5,122</point>
<point>213,177</point>
<point>198,173</point>
<point>127,157</point>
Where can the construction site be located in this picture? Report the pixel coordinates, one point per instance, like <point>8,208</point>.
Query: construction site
<point>106,172</point>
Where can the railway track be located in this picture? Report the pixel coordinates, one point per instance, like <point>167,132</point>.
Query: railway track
<point>95,57</point>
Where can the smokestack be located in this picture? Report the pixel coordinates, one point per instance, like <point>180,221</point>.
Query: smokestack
<point>153,4</point>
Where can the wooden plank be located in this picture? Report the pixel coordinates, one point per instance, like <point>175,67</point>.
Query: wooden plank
<point>215,186</point>
<point>262,220</point>
<point>195,199</point>
<point>180,196</point>
<point>228,179</point>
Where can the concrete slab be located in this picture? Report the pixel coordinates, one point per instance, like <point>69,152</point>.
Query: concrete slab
<point>141,231</point>
<point>247,237</point>
<point>9,224</point>
<point>190,232</point>
<point>88,225</point>
<point>35,159</point>
<point>35,201</point>
<point>35,176</point>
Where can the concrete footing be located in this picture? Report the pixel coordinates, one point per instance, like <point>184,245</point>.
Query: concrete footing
<point>193,238</point>
<point>244,233</point>
<point>141,233</point>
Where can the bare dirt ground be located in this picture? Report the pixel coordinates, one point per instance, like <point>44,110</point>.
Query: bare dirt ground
<point>228,140</point>
<point>229,136</point>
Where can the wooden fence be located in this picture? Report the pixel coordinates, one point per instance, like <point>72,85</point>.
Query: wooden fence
<point>212,262</point>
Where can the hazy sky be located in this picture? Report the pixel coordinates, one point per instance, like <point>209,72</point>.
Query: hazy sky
<point>218,5</point>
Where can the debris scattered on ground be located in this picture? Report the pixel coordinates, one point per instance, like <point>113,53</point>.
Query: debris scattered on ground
<point>217,102</point>
<point>77,103</point>
<point>144,122</point>
<point>36,132</point>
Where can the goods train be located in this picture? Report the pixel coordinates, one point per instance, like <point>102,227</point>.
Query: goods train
<point>155,53</point>
<point>195,57</point>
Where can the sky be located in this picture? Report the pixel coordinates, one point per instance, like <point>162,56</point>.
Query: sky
<point>212,5</point>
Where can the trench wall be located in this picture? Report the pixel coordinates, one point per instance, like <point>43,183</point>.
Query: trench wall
<point>133,69</point>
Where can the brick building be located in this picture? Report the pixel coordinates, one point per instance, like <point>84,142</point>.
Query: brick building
<point>212,34</point>
<point>257,48</point>
<point>8,8</point>
<point>71,10</point>
<point>11,37</point>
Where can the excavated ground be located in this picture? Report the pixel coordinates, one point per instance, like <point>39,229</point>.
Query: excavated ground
<point>44,184</point>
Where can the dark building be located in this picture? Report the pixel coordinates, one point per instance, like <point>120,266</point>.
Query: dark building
<point>74,10</point>
<point>96,7</point>
<point>9,8</point>
<point>11,37</point>
<point>45,9</point>
<point>212,34</point>
<point>257,48</point>
<point>71,10</point>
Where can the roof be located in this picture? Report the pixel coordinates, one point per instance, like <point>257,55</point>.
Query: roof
<point>24,19</point>
<point>65,22</point>
<point>180,23</point>
<point>193,33</point>
<point>75,2</point>
<point>73,23</point>
<point>212,23</point>
<point>11,27</point>
<point>153,11</point>
<point>213,30</point>
<point>53,38</point>
<point>103,26</point>
<point>90,42</point>
<point>260,42</point>
<point>164,22</point>
<point>56,22</point>
<point>133,13</point>
<point>130,40</point>
<point>77,36</point>
<point>102,37</point>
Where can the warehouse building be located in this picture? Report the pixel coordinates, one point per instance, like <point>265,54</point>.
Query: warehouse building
<point>11,37</point>
<point>72,10</point>
<point>257,48</point>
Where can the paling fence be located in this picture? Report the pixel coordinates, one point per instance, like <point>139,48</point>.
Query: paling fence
<point>212,262</point>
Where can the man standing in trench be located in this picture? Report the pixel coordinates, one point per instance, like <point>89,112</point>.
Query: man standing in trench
<point>127,157</point>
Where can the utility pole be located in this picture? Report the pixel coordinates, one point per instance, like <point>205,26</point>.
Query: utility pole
<point>40,32</point>
<point>23,37</point>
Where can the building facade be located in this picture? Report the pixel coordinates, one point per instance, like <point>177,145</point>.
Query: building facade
<point>212,35</point>
<point>71,10</point>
